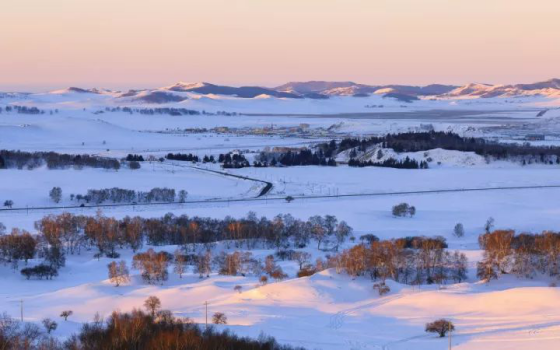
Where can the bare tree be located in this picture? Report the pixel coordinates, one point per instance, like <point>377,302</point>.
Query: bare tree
<point>459,230</point>
<point>152,305</point>
<point>489,225</point>
<point>49,325</point>
<point>318,230</point>
<point>342,231</point>
<point>219,318</point>
<point>153,265</point>
<point>118,272</point>
<point>302,258</point>
<point>183,196</point>
<point>56,194</point>
<point>204,264</point>
<point>180,263</point>
<point>273,270</point>
<point>65,314</point>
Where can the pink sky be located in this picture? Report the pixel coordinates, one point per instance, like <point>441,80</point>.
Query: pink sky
<point>148,43</point>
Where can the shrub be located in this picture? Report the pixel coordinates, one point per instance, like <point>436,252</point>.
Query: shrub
<point>134,165</point>
<point>403,209</point>
<point>441,327</point>
<point>285,254</point>
<point>40,271</point>
<point>381,288</point>
<point>306,271</point>
<point>459,230</point>
<point>369,238</point>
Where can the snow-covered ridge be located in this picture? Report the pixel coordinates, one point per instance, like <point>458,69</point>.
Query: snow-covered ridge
<point>549,88</point>
<point>325,89</point>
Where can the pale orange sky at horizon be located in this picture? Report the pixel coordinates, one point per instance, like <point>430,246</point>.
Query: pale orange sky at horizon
<point>122,44</point>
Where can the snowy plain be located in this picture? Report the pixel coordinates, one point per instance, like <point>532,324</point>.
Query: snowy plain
<point>328,310</point>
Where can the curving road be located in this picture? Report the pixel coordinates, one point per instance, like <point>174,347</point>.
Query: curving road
<point>267,188</point>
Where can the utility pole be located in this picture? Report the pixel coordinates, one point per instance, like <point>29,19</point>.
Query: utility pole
<point>21,309</point>
<point>206,304</point>
<point>449,335</point>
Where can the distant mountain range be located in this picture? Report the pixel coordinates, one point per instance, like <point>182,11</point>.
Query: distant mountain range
<point>328,89</point>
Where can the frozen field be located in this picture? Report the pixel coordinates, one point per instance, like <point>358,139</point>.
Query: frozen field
<point>328,310</point>
<point>349,180</point>
<point>31,187</point>
<point>67,134</point>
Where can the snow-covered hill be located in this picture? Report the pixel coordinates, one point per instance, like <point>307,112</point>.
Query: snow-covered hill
<point>314,90</point>
<point>549,88</point>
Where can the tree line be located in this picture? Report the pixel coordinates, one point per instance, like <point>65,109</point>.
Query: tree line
<point>523,255</point>
<point>164,111</point>
<point>154,266</point>
<point>23,110</point>
<point>424,141</point>
<point>121,195</point>
<point>154,111</point>
<point>59,235</point>
<point>411,260</point>
<point>233,161</point>
<point>228,160</point>
<point>155,329</point>
<point>31,160</point>
<point>295,158</point>
<point>407,163</point>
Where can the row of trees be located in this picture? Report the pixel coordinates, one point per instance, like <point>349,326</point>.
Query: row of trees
<point>154,266</point>
<point>23,110</point>
<point>525,255</point>
<point>233,161</point>
<point>31,160</point>
<point>228,160</point>
<point>20,245</point>
<point>183,157</point>
<point>407,163</point>
<point>163,111</point>
<point>416,260</point>
<point>424,141</point>
<point>120,195</point>
<point>59,235</point>
<point>305,157</point>
<point>294,158</point>
<point>154,111</point>
<point>107,233</point>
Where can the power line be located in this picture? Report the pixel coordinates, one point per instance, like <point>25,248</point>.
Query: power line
<point>267,198</point>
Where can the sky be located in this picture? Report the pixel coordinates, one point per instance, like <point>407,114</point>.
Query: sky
<point>123,44</point>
